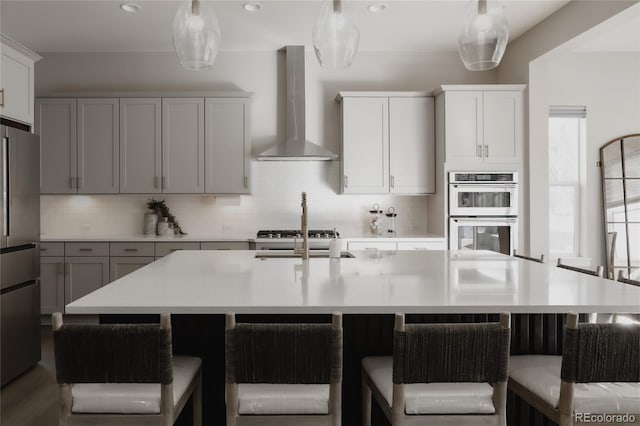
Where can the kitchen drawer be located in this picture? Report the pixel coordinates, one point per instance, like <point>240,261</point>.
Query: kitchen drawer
<point>364,245</point>
<point>51,249</point>
<point>163,249</point>
<point>225,245</point>
<point>421,245</point>
<point>121,266</point>
<point>132,249</point>
<point>86,249</point>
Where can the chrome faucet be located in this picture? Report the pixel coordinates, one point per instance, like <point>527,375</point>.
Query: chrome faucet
<point>304,228</point>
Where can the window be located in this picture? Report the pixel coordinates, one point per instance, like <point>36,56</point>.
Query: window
<point>567,138</point>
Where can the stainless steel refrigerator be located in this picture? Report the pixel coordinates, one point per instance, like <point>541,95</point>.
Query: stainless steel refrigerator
<point>19,252</point>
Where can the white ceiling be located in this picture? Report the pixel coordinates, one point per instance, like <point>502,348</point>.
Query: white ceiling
<point>100,26</point>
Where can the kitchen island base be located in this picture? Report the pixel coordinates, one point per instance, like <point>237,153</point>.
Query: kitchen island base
<point>364,335</point>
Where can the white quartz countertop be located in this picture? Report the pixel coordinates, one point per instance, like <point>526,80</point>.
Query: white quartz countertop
<point>142,238</point>
<point>216,282</point>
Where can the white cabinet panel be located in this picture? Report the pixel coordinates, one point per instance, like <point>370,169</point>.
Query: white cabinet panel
<point>98,146</point>
<point>464,125</point>
<point>368,245</point>
<point>502,126</point>
<point>140,145</point>
<point>84,275</point>
<point>55,122</point>
<point>16,69</point>
<point>227,146</point>
<point>51,285</point>
<point>365,146</point>
<point>411,145</point>
<point>183,145</point>
<point>121,266</point>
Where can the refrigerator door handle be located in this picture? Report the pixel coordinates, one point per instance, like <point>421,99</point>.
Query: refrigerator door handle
<point>5,187</point>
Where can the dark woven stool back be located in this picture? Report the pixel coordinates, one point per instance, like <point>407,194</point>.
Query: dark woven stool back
<point>426,353</point>
<point>601,353</point>
<point>283,353</point>
<point>113,353</point>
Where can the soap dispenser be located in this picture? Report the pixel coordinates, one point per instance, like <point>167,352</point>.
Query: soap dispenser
<point>335,246</point>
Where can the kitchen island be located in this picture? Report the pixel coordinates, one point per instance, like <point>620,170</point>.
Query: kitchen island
<point>199,287</point>
<point>372,282</point>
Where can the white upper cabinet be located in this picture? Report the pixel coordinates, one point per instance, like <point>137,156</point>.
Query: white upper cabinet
<point>483,124</point>
<point>387,142</point>
<point>16,81</point>
<point>227,146</point>
<point>183,145</point>
<point>411,145</point>
<point>55,122</point>
<point>365,145</point>
<point>98,146</point>
<point>140,145</point>
<point>79,145</point>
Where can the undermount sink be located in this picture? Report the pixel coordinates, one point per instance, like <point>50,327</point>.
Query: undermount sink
<point>289,255</point>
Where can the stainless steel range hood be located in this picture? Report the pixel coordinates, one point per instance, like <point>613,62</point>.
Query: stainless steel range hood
<point>296,147</point>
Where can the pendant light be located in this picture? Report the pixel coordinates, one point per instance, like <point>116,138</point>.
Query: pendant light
<point>196,35</point>
<point>483,37</point>
<point>335,36</point>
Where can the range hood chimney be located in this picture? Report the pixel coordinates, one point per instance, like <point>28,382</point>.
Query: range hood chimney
<point>296,147</point>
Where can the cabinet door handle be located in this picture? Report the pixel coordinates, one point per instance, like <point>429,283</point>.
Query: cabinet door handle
<point>346,181</point>
<point>86,249</point>
<point>156,182</point>
<point>164,182</point>
<point>2,98</point>
<point>486,150</point>
<point>246,182</point>
<point>393,181</point>
<point>131,249</point>
<point>479,150</point>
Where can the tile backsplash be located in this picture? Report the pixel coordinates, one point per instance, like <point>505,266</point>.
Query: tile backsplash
<point>274,204</point>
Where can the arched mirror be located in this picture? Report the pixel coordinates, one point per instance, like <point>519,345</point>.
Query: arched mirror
<point>620,168</point>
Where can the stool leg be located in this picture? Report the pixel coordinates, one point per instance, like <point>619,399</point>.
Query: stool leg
<point>197,401</point>
<point>366,404</point>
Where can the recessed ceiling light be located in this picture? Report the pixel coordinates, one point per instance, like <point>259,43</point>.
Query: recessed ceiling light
<point>252,6</point>
<point>130,7</point>
<point>377,7</point>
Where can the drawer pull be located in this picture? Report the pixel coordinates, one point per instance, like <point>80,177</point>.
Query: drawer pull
<point>131,249</point>
<point>86,249</point>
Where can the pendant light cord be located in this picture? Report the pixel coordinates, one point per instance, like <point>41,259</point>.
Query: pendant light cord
<point>195,7</point>
<point>337,6</point>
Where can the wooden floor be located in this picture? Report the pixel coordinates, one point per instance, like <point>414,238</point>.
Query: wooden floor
<point>32,399</point>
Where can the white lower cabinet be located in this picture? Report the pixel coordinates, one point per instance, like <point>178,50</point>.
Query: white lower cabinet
<point>84,275</point>
<point>51,284</point>
<point>121,266</point>
<point>368,245</point>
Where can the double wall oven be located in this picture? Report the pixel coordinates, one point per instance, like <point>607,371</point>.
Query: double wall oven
<point>483,211</point>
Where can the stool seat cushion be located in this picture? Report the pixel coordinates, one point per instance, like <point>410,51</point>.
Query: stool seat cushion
<point>540,374</point>
<point>267,398</point>
<point>431,398</point>
<point>132,398</point>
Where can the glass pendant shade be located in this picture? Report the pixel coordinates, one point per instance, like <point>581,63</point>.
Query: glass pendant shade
<point>483,37</point>
<point>335,36</point>
<point>196,35</point>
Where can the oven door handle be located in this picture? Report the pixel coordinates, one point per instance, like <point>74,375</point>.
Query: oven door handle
<point>476,187</point>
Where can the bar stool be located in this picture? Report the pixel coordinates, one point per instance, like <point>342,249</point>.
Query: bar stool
<point>114,374</point>
<point>622,279</point>
<point>534,259</point>
<point>283,374</point>
<point>596,273</point>
<point>598,372</point>
<point>441,374</point>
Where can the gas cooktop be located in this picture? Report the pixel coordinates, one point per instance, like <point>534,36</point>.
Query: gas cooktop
<point>293,233</point>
